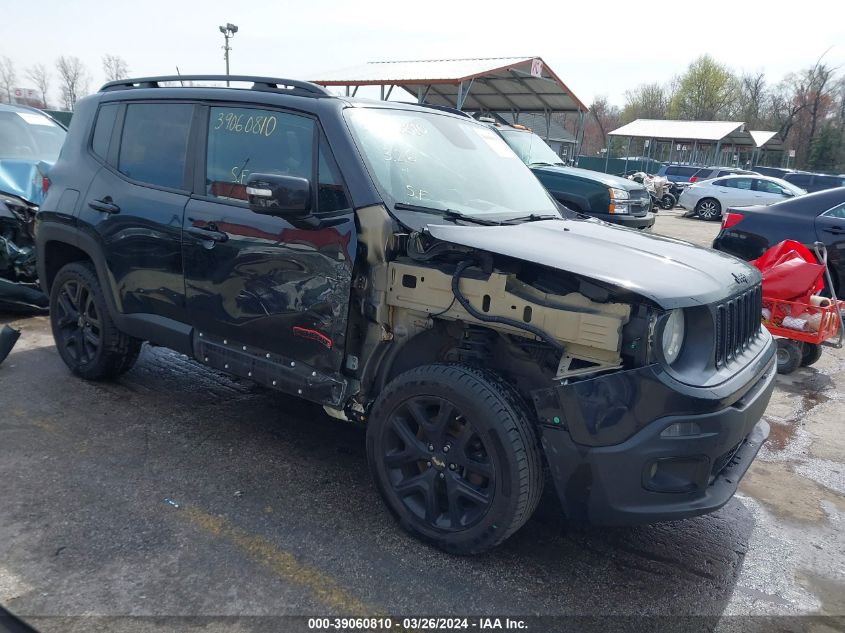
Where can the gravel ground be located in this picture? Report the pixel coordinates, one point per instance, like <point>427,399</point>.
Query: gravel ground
<point>177,491</point>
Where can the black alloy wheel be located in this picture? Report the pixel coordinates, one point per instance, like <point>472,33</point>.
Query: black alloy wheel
<point>85,333</point>
<point>78,322</point>
<point>454,452</point>
<point>437,463</point>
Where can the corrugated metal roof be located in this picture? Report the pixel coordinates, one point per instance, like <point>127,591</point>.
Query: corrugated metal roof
<point>494,84</point>
<point>680,130</point>
<point>537,122</point>
<point>433,70</point>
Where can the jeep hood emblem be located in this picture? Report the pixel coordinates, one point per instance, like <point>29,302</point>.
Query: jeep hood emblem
<point>741,278</point>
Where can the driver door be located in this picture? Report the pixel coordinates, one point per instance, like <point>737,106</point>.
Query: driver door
<point>259,281</point>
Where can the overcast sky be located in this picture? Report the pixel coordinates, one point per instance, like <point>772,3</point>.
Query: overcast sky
<point>595,47</point>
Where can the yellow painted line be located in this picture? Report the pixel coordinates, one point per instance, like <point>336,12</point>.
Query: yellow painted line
<point>282,563</point>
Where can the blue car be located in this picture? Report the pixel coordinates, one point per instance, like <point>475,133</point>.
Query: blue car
<point>30,142</point>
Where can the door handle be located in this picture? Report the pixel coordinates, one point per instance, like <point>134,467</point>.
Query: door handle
<point>835,230</point>
<point>207,234</point>
<point>106,205</point>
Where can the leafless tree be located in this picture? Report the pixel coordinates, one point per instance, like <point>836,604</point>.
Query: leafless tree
<point>115,67</point>
<point>40,76</point>
<point>752,99</point>
<point>73,79</point>
<point>7,77</point>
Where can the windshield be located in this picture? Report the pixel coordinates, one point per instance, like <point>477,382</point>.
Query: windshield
<point>530,148</point>
<point>442,162</point>
<point>30,136</point>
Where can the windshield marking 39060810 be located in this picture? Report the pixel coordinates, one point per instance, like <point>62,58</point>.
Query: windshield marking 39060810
<point>444,162</point>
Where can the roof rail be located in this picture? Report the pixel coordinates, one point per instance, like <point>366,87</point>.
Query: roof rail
<point>258,83</point>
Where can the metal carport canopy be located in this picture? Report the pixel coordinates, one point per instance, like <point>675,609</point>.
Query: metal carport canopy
<point>706,131</point>
<point>491,84</point>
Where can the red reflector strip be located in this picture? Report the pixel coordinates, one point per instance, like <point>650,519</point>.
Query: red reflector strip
<point>313,335</point>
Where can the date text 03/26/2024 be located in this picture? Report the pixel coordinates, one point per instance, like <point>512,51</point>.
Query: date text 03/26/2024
<point>417,624</point>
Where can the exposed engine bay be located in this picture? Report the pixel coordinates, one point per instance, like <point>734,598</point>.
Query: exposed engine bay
<point>19,289</point>
<point>427,300</point>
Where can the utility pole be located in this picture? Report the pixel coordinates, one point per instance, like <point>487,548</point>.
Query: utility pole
<point>228,31</point>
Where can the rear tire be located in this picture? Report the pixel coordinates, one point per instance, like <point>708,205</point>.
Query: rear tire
<point>708,209</point>
<point>811,354</point>
<point>86,336</point>
<point>455,457</point>
<point>789,355</point>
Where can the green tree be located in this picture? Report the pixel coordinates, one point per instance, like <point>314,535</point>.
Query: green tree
<point>646,101</point>
<point>826,149</point>
<point>707,91</point>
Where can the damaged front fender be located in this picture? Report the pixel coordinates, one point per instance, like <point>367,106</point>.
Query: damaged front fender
<point>19,289</point>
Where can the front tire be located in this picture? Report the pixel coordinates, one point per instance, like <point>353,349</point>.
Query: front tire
<point>708,209</point>
<point>455,457</point>
<point>668,201</point>
<point>86,336</point>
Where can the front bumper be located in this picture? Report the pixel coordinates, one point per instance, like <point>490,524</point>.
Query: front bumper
<point>631,221</point>
<point>629,482</point>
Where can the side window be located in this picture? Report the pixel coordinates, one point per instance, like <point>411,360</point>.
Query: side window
<point>829,181</point>
<point>673,171</point>
<point>767,186</point>
<point>725,183</point>
<point>103,129</point>
<point>741,183</point>
<point>331,194</point>
<point>242,141</point>
<point>154,143</point>
<point>688,171</point>
<point>799,180</point>
<point>836,212</point>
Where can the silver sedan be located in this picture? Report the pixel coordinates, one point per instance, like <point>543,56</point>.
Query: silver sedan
<point>710,197</point>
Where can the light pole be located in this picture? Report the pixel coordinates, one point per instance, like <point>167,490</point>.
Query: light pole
<point>228,31</point>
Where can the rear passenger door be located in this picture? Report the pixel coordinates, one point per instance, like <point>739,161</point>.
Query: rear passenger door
<point>134,205</point>
<point>256,280</point>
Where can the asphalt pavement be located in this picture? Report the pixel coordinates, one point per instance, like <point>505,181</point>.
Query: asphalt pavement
<point>180,492</point>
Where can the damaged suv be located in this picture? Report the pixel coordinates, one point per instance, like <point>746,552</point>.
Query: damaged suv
<point>401,266</point>
<point>30,142</point>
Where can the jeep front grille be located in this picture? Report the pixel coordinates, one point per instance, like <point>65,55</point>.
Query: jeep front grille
<point>737,324</point>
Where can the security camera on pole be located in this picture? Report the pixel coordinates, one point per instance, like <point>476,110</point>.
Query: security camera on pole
<point>228,31</point>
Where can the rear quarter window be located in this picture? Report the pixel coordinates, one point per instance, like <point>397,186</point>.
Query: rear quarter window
<point>103,129</point>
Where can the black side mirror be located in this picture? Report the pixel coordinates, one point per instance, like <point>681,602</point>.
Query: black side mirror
<point>274,194</point>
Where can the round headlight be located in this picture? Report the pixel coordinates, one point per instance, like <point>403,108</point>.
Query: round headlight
<point>673,335</point>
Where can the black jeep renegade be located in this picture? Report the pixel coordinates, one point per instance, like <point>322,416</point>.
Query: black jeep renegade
<point>401,266</point>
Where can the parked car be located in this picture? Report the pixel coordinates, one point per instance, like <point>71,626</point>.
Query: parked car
<point>775,172</point>
<point>610,198</point>
<point>400,266</point>
<point>814,182</point>
<point>748,232</point>
<point>30,142</point>
<point>708,173</point>
<point>708,198</point>
<point>678,173</point>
